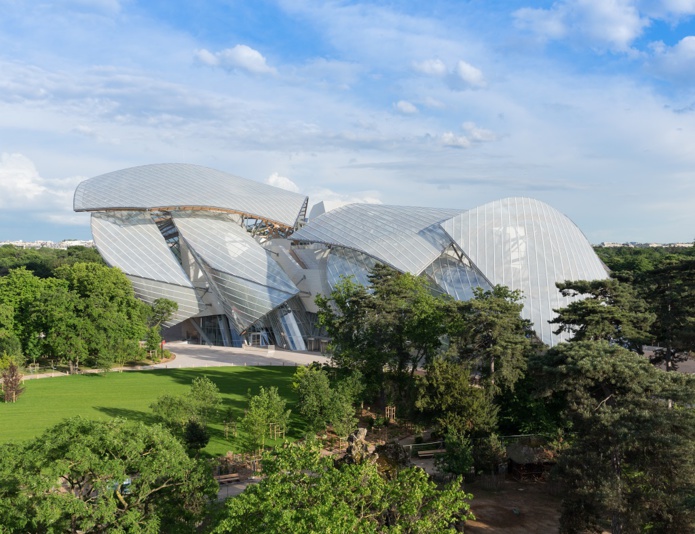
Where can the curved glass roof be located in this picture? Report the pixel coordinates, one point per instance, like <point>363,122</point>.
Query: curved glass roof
<point>527,245</point>
<point>406,238</point>
<point>177,185</point>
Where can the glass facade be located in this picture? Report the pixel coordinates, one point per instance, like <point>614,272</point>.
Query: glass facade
<point>208,240</point>
<point>527,245</point>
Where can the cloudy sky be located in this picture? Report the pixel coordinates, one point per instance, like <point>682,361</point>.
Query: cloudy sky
<point>588,105</point>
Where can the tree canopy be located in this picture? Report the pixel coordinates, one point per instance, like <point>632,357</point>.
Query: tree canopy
<point>102,476</point>
<point>303,492</point>
<point>631,463</point>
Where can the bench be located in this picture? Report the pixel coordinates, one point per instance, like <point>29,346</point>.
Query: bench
<point>430,453</point>
<point>227,479</point>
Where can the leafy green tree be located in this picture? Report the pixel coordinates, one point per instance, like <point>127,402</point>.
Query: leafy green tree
<point>195,435</point>
<point>396,325</point>
<point>114,320</point>
<point>341,415</point>
<point>304,492</point>
<point>314,391</point>
<point>491,334</point>
<point>458,458</point>
<point>199,405</point>
<point>42,262</point>
<point>489,453</point>
<point>631,464</point>
<point>264,409</point>
<point>447,398</point>
<point>9,342</point>
<point>153,339</point>
<point>206,398</point>
<point>609,310</point>
<point>18,289</point>
<point>161,311</point>
<point>102,476</point>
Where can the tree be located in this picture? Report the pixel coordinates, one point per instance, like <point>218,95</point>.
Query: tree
<point>112,318</point>
<point>9,342</point>
<point>397,324</point>
<point>152,339</point>
<point>12,382</point>
<point>199,405</point>
<point>314,391</point>
<point>206,398</point>
<point>670,290</point>
<point>458,458</point>
<point>304,492</point>
<point>264,409</point>
<point>609,310</point>
<point>447,398</point>
<point>491,334</point>
<point>161,311</point>
<point>195,435</point>
<point>341,415</point>
<point>631,463</point>
<point>102,476</point>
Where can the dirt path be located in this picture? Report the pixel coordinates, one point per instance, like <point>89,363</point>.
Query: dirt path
<point>518,508</point>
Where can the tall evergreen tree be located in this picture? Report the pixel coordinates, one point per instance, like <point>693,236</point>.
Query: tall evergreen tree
<point>631,463</point>
<point>609,310</point>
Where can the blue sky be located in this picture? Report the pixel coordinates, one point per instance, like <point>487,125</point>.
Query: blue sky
<point>588,105</point>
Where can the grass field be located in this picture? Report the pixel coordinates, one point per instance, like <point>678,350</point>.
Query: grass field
<point>49,400</point>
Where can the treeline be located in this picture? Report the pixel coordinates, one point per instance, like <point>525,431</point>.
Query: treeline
<point>83,313</point>
<point>621,430</point>
<point>44,261</point>
<point>641,259</point>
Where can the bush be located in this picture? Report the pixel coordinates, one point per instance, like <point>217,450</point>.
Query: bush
<point>488,454</point>
<point>458,458</point>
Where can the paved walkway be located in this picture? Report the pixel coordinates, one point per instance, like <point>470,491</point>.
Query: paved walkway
<point>210,356</point>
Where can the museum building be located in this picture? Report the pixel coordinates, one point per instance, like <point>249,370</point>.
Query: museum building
<point>245,264</point>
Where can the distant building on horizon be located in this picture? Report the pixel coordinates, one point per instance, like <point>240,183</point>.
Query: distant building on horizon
<point>65,244</point>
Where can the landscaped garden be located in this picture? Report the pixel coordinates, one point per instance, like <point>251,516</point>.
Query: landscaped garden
<point>130,394</point>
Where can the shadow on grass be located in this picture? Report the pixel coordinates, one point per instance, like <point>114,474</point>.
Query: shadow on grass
<point>130,415</point>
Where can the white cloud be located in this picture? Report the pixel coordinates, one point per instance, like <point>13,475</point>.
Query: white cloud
<point>334,198</point>
<point>277,180</point>
<point>405,107</point>
<point>431,67</point>
<point>19,181</point>
<point>468,74</point>
<point>105,6</point>
<point>455,141</point>
<point>238,57</point>
<point>476,134</point>
<point>433,103</point>
<point>676,62</point>
<point>473,134</point>
<point>602,24</point>
<point>668,9</point>
<point>26,191</point>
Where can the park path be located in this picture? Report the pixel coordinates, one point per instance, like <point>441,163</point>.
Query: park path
<point>188,356</point>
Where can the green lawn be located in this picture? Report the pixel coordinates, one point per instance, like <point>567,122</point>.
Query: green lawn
<point>49,400</point>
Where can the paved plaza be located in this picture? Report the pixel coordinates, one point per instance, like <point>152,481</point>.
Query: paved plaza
<point>212,356</point>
